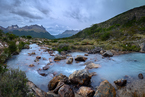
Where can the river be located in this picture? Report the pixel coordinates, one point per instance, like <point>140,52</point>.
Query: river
<point>111,68</point>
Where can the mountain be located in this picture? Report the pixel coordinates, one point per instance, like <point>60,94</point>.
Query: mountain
<point>124,26</point>
<point>67,33</point>
<point>33,30</point>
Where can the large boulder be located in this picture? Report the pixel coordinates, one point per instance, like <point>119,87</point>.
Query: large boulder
<point>86,91</point>
<point>59,57</point>
<point>121,82</point>
<point>108,53</point>
<point>69,60</point>
<point>80,58</point>
<point>105,89</point>
<point>82,77</point>
<point>66,91</point>
<point>53,83</point>
<point>92,65</point>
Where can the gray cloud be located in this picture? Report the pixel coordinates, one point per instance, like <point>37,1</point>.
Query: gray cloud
<point>24,13</point>
<point>66,14</point>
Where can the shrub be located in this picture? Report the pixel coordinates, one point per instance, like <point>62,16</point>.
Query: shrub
<point>11,36</point>
<point>12,47</point>
<point>13,84</point>
<point>63,47</point>
<point>105,36</point>
<point>21,45</point>
<point>29,37</point>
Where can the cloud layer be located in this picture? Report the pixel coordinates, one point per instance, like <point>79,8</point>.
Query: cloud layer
<point>59,15</point>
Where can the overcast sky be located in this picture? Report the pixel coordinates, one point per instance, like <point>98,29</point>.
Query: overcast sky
<point>59,15</point>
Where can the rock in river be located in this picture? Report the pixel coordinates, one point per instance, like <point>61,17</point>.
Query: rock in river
<point>81,77</point>
<point>92,65</point>
<point>46,67</point>
<point>81,58</point>
<point>69,60</point>
<point>86,91</point>
<point>53,83</point>
<point>108,53</point>
<point>59,57</point>
<point>105,89</point>
<point>140,76</point>
<point>121,82</point>
<point>66,91</point>
<point>31,65</point>
<point>38,57</point>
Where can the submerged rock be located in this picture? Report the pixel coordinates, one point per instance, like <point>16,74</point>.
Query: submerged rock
<point>66,91</point>
<point>92,65</point>
<point>38,57</point>
<point>140,76</point>
<point>105,89</point>
<point>121,82</point>
<point>69,60</point>
<point>108,53</point>
<point>81,58</point>
<point>50,60</point>
<point>46,67</point>
<point>81,77</point>
<point>53,83</point>
<point>86,54</point>
<point>86,91</point>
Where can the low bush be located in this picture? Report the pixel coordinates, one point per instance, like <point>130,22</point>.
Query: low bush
<point>13,84</point>
<point>63,47</point>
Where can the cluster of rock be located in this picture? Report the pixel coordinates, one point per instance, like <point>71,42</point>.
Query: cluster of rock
<point>63,86</point>
<point>104,53</point>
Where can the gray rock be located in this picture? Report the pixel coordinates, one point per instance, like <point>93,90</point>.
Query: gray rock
<point>108,53</point>
<point>80,58</point>
<point>69,60</point>
<point>81,77</point>
<point>105,89</point>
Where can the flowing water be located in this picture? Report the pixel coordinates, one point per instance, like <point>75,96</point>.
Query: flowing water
<point>111,68</point>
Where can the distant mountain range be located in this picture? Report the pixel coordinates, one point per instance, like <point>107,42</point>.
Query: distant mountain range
<point>67,33</point>
<point>33,30</point>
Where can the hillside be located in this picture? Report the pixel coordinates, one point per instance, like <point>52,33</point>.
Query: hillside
<point>125,26</point>
<point>67,33</point>
<point>33,30</point>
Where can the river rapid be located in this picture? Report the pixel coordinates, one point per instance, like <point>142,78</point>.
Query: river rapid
<point>111,69</point>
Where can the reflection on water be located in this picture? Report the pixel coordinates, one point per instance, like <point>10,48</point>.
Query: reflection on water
<point>111,69</point>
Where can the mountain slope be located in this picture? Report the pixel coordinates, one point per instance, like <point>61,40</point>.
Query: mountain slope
<point>67,33</point>
<point>122,26</point>
<point>33,30</point>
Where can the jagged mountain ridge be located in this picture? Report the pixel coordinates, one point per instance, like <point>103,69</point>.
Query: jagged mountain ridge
<point>33,30</point>
<point>67,33</point>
